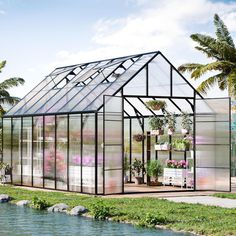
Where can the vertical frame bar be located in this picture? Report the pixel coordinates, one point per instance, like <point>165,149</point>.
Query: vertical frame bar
<point>194,141</point>
<point>230,153</point>
<point>11,147</point>
<point>103,171</point>
<point>43,151</point>
<point>32,151</point>
<point>81,153</point>
<point>2,141</point>
<point>122,135</point>
<point>96,153</point>
<point>68,152</point>
<point>130,149</point>
<point>147,81</point>
<point>21,148</point>
<point>55,152</point>
<point>148,152</point>
<point>171,81</point>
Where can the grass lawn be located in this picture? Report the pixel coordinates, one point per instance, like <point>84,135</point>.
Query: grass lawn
<point>225,195</point>
<point>207,220</point>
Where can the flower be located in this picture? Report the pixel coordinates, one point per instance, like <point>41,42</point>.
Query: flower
<point>87,160</point>
<point>182,164</point>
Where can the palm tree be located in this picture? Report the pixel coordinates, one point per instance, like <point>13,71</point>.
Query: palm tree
<point>5,97</point>
<point>223,53</point>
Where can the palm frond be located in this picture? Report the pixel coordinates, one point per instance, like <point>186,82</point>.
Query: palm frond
<point>207,84</point>
<point>12,82</point>
<point>222,32</point>
<point>9,100</point>
<point>189,67</point>
<point>2,65</point>
<point>224,66</point>
<point>4,93</point>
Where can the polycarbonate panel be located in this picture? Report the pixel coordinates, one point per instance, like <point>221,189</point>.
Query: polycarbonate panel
<point>88,155</point>
<point>90,92</point>
<point>113,181</point>
<point>159,77</point>
<point>115,86</point>
<point>180,87</point>
<point>113,146</point>
<point>137,86</point>
<point>213,144</point>
<point>61,152</point>
<point>27,151</point>
<point>49,152</point>
<point>7,141</point>
<point>38,151</point>
<point>75,153</point>
<point>16,150</point>
<point>205,179</point>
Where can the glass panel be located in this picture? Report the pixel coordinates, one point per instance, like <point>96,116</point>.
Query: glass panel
<point>113,132</point>
<point>27,151</point>
<point>16,150</point>
<point>88,158</point>
<point>205,179</point>
<point>38,151</point>
<point>75,153</point>
<point>113,181</point>
<point>7,141</point>
<point>159,77</point>
<point>49,152</point>
<point>222,179</point>
<point>61,153</point>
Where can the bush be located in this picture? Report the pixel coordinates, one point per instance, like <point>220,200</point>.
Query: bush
<point>100,211</point>
<point>150,220</point>
<point>39,204</point>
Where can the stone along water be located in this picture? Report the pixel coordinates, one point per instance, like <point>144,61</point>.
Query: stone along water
<point>25,221</point>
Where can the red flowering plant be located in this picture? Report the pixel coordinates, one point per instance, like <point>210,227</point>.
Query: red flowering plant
<point>182,164</point>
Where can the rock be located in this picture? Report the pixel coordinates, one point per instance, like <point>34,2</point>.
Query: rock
<point>78,210</point>
<point>4,198</point>
<point>23,203</point>
<point>60,207</point>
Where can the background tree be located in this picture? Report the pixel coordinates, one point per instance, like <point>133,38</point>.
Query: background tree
<point>5,97</point>
<point>222,51</point>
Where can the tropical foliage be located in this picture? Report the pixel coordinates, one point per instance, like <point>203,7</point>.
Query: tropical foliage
<point>5,97</point>
<point>222,51</point>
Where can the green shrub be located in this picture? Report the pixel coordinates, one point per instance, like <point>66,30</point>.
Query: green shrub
<point>100,211</point>
<point>150,220</point>
<point>39,204</point>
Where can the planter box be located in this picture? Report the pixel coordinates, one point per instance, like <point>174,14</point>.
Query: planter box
<point>162,147</point>
<point>174,176</point>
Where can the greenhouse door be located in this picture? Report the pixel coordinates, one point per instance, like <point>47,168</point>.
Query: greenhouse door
<point>113,145</point>
<point>213,144</point>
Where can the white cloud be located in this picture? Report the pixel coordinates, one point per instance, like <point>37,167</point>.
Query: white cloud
<point>158,25</point>
<point>2,12</point>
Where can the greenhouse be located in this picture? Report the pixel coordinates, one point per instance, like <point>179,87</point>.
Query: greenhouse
<point>122,125</point>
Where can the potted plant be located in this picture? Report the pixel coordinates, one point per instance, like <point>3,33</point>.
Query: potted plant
<point>139,137</point>
<point>156,104</point>
<point>181,145</point>
<point>162,146</point>
<point>154,170</point>
<point>138,170</point>
<point>170,120</point>
<point>156,124</point>
<point>5,170</point>
<point>186,123</point>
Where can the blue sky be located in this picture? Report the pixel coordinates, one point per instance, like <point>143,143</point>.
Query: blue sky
<point>37,36</point>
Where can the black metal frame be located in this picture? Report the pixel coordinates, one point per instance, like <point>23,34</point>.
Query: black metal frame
<point>140,115</point>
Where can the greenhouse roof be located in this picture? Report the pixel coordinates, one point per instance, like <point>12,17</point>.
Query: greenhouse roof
<point>81,87</point>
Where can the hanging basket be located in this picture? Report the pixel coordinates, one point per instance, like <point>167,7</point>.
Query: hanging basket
<point>184,131</point>
<point>138,137</point>
<point>171,131</point>
<point>156,104</point>
<point>162,147</point>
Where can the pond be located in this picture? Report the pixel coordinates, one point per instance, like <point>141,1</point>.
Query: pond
<point>25,221</point>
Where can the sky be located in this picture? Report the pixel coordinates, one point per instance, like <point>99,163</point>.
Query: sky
<point>38,36</point>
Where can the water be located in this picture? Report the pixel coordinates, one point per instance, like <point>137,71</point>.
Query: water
<point>25,221</point>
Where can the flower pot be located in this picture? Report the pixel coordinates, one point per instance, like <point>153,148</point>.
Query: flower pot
<point>155,183</point>
<point>170,131</point>
<point>184,131</point>
<point>157,132</point>
<point>138,137</point>
<point>138,180</point>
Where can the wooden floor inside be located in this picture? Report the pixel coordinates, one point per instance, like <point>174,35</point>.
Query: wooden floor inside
<point>143,188</point>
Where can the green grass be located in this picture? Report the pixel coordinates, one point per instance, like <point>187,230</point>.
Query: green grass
<point>225,195</point>
<point>207,220</point>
